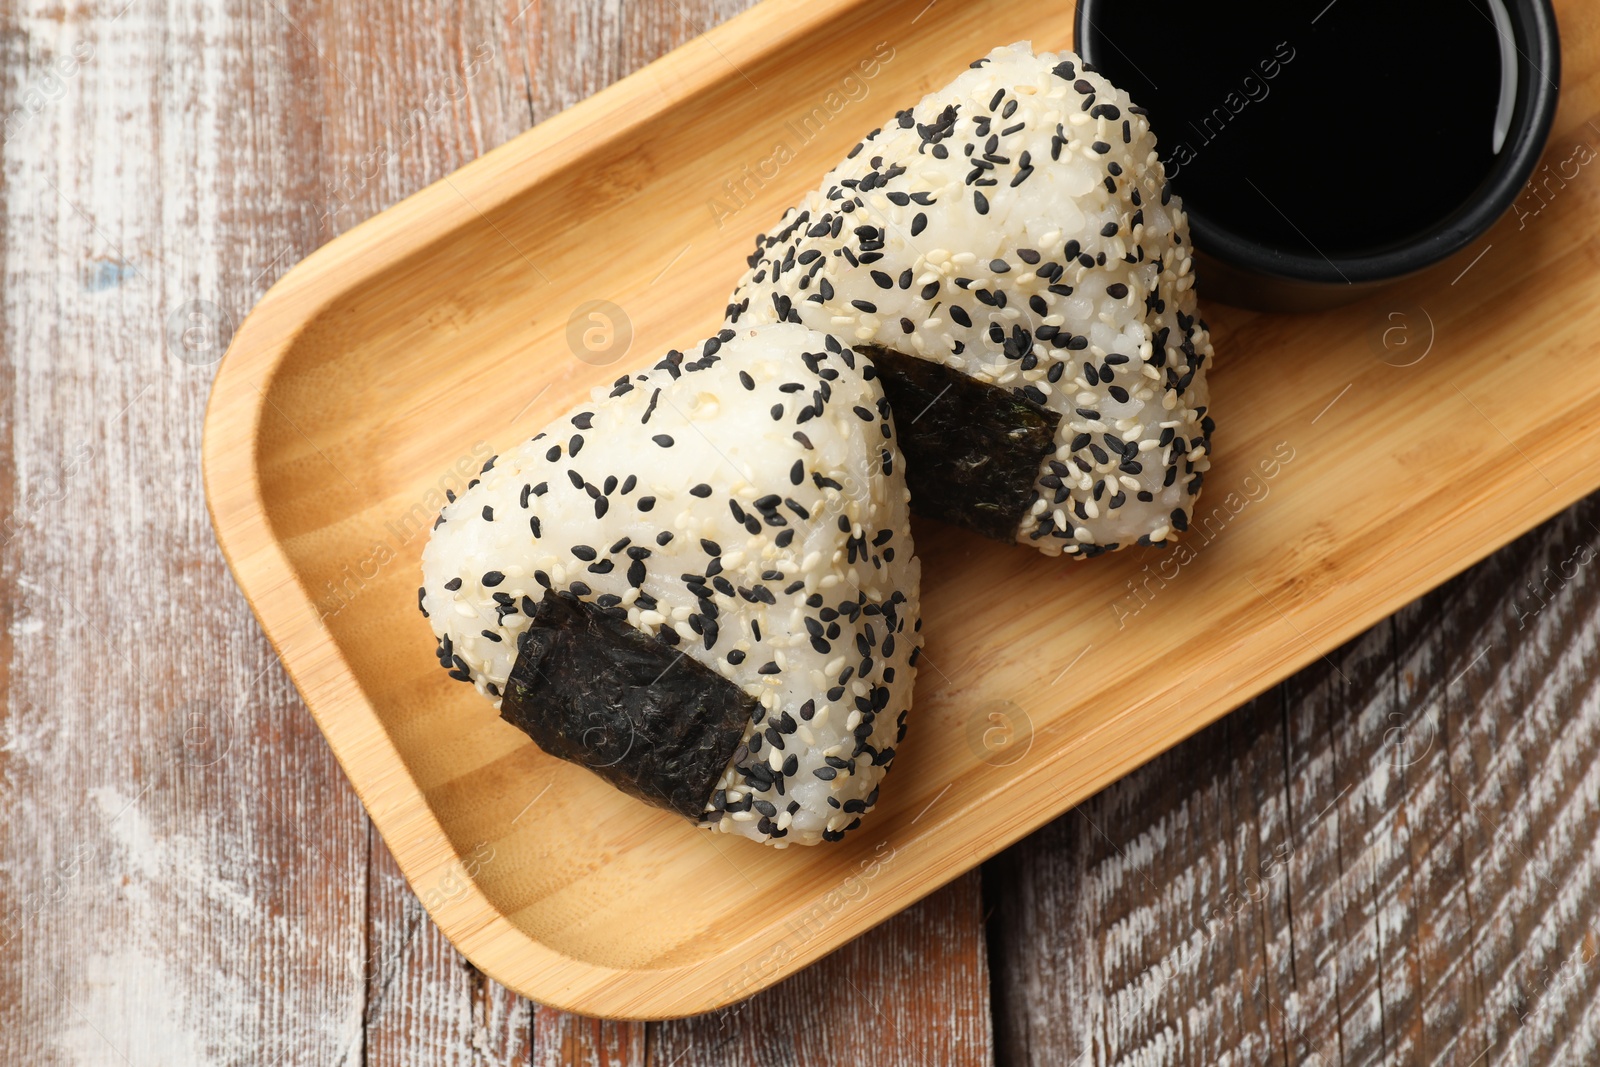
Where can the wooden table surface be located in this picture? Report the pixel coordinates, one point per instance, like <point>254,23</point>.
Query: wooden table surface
<point>1392,858</point>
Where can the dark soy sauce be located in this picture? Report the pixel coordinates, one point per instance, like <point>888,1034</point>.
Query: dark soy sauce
<point>1313,127</point>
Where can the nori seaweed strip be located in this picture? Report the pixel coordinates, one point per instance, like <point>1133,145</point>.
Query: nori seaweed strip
<point>655,723</point>
<point>973,450</point>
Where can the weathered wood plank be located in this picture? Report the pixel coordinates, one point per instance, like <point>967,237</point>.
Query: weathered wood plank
<point>425,1004</point>
<point>913,991</point>
<point>1430,789</point>
<point>561,1038</point>
<point>1528,780</point>
<point>1344,711</point>
<point>1144,909</point>
<point>177,835</point>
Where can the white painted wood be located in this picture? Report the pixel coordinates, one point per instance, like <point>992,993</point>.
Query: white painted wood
<point>178,841</point>
<point>1425,807</point>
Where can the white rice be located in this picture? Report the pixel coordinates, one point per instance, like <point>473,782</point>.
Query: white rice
<point>1017,225</point>
<point>817,606</point>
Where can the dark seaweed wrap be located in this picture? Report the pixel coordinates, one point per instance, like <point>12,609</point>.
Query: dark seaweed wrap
<point>973,450</point>
<point>590,688</point>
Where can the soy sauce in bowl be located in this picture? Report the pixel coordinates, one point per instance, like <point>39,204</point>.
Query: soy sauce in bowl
<point>1333,144</point>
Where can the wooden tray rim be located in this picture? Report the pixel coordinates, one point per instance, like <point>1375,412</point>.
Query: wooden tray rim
<point>317,664</point>
<point>286,610</point>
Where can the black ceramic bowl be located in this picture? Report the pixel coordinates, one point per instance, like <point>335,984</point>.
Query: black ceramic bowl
<point>1248,272</point>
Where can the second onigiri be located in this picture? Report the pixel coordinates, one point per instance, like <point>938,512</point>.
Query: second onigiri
<point>1010,253</point>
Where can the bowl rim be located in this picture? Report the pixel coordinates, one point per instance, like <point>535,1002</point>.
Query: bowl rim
<point>1537,39</point>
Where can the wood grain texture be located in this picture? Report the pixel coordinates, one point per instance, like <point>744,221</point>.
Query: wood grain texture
<point>1389,859</point>
<point>175,835</point>
<point>913,991</point>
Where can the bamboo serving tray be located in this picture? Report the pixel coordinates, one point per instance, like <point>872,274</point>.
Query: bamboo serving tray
<point>1362,456</point>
